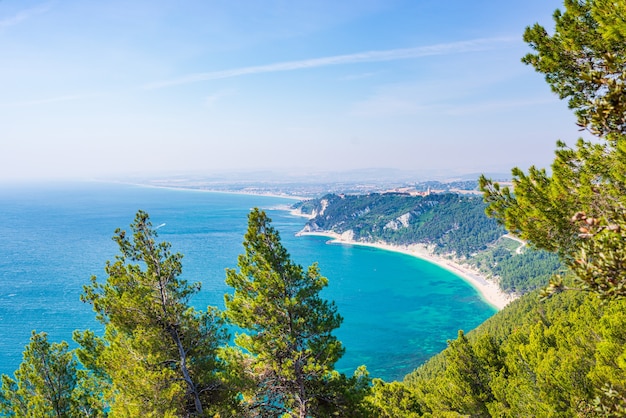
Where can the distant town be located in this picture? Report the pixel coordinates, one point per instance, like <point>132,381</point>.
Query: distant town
<point>317,186</point>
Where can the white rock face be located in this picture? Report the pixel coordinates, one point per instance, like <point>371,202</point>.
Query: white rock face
<point>348,235</point>
<point>399,222</point>
<point>404,219</point>
<point>391,225</point>
<point>310,228</point>
<point>324,203</point>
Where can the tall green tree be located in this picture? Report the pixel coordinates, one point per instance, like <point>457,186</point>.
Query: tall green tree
<point>48,383</point>
<point>583,61</point>
<point>579,209</point>
<point>158,356</point>
<point>287,328</point>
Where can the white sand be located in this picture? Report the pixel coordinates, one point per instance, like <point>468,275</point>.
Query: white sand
<point>488,289</point>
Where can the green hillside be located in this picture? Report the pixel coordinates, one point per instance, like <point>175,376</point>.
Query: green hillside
<point>563,357</point>
<point>453,223</point>
<point>450,224</point>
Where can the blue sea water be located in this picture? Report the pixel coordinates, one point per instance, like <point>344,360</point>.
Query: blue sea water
<point>398,310</point>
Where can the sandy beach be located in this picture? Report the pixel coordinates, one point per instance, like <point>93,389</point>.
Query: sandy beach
<point>488,289</point>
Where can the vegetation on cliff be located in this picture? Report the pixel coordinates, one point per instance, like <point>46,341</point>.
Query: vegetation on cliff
<point>562,357</point>
<point>449,224</point>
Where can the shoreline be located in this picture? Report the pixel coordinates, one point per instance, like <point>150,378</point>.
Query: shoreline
<point>488,290</point>
<point>188,188</point>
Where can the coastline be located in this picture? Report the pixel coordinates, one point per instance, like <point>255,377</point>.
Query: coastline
<point>208,190</point>
<point>489,291</point>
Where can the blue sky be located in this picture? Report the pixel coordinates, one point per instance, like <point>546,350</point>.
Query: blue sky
<point>111,88</point>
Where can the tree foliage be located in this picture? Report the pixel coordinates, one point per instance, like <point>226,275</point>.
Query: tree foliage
<point>448,223</point>
<point>519,269</point>
<point>158,356</point>
<point>287,328</point>
<point>562,357</point>
<point>392,399</point>
<point>48,383</point>
<point>579,210</point>
<point>584,61</point>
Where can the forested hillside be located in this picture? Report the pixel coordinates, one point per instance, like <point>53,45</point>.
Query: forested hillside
<point>562,357</point>
<point>450,224</point>
<point>519,268</point>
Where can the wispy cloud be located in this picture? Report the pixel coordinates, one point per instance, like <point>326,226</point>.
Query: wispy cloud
<point>361,57</point>
<point>24,15</point>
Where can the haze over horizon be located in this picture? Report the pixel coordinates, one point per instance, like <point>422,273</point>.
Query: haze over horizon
<point>109,89</point>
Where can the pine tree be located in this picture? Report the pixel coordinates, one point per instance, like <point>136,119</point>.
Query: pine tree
<point>158,355</point>
<point>579,210</point>
<point>48,383</point>
<point>287,327</point>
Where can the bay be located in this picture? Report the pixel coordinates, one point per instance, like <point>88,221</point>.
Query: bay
<point>398,310</point>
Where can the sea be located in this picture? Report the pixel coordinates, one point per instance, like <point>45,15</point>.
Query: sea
<point>398,310</point>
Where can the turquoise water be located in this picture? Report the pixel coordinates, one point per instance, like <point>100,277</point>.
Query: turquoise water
<point>398,310</point>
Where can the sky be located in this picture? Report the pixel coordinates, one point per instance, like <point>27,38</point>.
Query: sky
<point>106,89</point>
